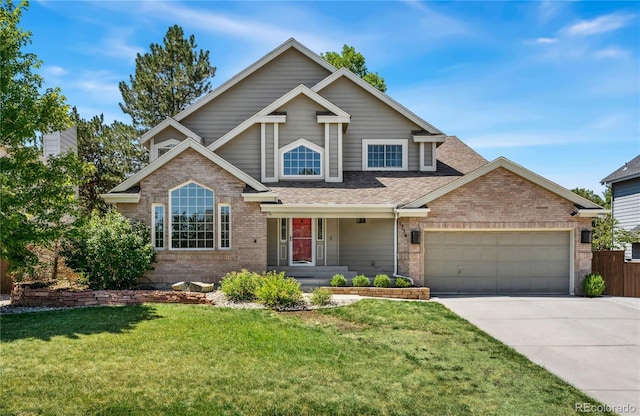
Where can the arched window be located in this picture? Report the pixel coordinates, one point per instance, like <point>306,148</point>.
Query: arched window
<point>301,159</point>
<point>192,217</point>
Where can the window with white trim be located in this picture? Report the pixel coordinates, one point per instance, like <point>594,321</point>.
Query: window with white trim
<point>157,226</point>
<point>301,159</point>
<point>384,154</point>
<point>164,149</point>
<point>224,226</point>
<point>192,217</point>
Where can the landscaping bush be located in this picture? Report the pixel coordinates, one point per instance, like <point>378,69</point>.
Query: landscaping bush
<point>320,296</point>
<point>338,280</point>
<point>110,251</point>
<point>361,281</point>
<point>382,280</point>
<point>278,292</point>
<point>593,285</point>
<point>240,286</point>
<point>402,282</point>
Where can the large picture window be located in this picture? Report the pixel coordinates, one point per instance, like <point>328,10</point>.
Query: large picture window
<point>384,155</point>
<point>192,217</point>
<point>301,159</point>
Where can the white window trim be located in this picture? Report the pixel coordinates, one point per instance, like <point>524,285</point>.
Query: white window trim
<point>155,148</point>
<point>432,166</point>
<point>153,226</point>
<point>293,145</point>
<point>365,154</point>
<point>169,223</point>
<point>220,206</point>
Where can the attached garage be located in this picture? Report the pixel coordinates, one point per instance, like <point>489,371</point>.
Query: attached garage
<point>498,262</point>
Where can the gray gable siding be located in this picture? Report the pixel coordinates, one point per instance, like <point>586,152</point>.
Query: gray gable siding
<point>168,134</point>
<point>626,206</point>
<point>244,151</point>
<point>370,119</point>
<point>302,122</point>
<point>254,93</point>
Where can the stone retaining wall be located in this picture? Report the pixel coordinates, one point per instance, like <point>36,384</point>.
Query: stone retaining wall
<point>422,293</point>
<point>27,296</point>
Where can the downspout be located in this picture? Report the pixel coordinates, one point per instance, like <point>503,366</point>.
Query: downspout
<point>395,248</point>
<point>395,242</point>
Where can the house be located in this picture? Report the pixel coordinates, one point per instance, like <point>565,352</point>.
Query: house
<point>295,165</point>
<point>625,201</point>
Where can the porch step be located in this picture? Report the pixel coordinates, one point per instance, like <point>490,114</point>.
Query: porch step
<point>313,277</point>
<point>318,272</point>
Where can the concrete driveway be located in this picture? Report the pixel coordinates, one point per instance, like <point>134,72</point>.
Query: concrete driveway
<point>593,344</point>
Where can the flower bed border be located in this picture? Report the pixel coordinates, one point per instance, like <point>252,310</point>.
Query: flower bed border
<point>23,295</point>
<point>421,293</point>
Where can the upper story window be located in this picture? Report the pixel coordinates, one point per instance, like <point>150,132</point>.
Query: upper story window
<point>192,217</point>
<point>301,159</point>
<point>164,149</point>
<point>384,154</point>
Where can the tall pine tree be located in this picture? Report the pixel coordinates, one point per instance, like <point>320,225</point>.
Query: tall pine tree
<point>167,80</point>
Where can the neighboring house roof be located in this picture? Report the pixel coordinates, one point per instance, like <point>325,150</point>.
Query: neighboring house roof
<point>169,122</point>
<point>291,43</point>
<point>629,170</point>
<point>344,72</point>
<point>501,162</point>
<point>188,144</point>
<point>296,92</point>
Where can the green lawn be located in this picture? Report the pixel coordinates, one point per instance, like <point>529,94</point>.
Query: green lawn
<point>373,357</point>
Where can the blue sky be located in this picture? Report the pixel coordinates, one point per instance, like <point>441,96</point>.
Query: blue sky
<point>551,85</point>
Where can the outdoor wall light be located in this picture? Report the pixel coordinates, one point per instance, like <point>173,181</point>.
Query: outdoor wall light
<point>585,237</point>
<point>415,237</point>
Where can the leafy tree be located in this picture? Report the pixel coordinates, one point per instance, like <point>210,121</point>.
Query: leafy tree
<point>37,198</point>
<point>355,62</point>
<point>607,234</point>
<point>115,153</point>
<point>167,80</point>
<point>111,252</point>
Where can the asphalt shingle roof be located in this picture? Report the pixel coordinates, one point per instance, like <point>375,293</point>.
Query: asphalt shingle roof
<point>455,159</point>
<point>629,170</point>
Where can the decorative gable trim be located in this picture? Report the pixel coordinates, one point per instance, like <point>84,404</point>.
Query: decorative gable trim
<point>189,144</point>
<point>502,162</point>
<point>259,117</point>
<point>291,43</point>
<point>169,122</point>
<point>344,72</point>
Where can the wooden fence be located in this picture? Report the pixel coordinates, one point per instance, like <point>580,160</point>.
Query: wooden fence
<point>621,278</point>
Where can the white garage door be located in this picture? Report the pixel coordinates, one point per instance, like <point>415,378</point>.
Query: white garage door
<point>497,262</point>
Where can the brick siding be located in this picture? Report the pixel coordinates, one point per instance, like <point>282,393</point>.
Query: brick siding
<point>499,200</point>
<point>248,223</point>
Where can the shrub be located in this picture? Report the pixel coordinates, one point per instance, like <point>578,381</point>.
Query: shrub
<point>240,286</point>
<point>361,281</point>
<point>320,296</point>
<point>110,251</point>
<point>382,280</point>
<point>402,282</point>
<point>338,280</point>
<point>593,285</point>
<point>278,292</point>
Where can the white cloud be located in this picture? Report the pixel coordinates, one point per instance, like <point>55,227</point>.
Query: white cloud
<point>602,24</point>
<point>546,41</point>
<point>53,71</point>
<point>612,52</point>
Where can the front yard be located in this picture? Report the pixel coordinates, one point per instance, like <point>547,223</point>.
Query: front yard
<point>373,357</point>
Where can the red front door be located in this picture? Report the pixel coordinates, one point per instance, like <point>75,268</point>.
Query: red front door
<point>301,241</point>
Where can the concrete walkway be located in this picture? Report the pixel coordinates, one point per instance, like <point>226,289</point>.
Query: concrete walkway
<point>593,344</point>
